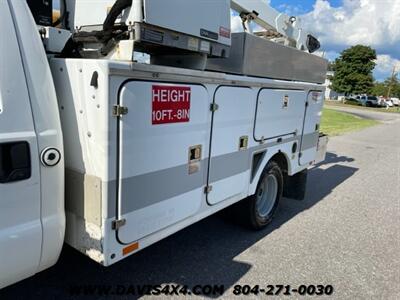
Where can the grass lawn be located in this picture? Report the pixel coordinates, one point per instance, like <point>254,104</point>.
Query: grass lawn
<point>380,109</point>
<point>337,123</point>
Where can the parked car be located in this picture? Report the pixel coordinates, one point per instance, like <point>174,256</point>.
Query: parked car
<point>368,100</point>
<point>382,102</point>
<point>388,103</point>
<point>395,101</point>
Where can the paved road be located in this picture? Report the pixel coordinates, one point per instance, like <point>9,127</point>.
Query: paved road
<point>346,233</point>
<point>368,114</point>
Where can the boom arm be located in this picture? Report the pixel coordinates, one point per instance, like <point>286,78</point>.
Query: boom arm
<point>270,19</point>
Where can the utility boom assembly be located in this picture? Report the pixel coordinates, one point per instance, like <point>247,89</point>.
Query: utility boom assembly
<point>171,31</point>
<point>182,33</point>
<point>279,27</point>
<point>111,155</point>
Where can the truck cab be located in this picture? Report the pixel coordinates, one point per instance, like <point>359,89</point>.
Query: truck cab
<point>32,220</point>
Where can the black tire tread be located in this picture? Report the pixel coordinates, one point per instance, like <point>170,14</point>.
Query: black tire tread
<point>253,220</point>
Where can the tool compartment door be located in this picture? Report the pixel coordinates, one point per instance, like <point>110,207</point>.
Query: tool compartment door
<point>163,142</point>
<point>194,17</point>
<point>279,113</point>
<point>312,121</point>
<point>20,219</point>
<point>229,170</point>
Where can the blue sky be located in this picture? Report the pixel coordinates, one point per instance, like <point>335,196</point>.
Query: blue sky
<point>299,6</point>
<point>340,24</point>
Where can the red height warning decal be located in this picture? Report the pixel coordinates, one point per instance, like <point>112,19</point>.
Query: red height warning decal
<point>171,104</point>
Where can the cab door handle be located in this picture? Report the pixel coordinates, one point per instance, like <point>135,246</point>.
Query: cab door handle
<point>15,162</point>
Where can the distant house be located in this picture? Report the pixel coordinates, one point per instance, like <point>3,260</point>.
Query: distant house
<point>329,93</point>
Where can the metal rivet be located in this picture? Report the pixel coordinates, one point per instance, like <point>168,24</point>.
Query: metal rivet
<point>89,134</point>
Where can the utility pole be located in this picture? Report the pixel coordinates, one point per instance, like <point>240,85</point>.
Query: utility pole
<point>391,82</point>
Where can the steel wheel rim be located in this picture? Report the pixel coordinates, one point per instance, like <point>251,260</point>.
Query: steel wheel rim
<point>266,195</point>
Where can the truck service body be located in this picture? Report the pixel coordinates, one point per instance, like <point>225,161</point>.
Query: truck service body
<point>141,150</point>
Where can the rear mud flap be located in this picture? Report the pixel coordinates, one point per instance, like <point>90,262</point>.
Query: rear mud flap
<point>295,186</point>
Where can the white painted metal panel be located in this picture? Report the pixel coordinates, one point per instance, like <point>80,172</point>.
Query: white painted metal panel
<point>156,151</point>
<point>190,16</point>
<point>48,130</point>
<point>312,121</point>
<point>85,123</point>
<point>233,119</point>
<point>20,224</point>
<point>78,16</point>
<point>279,112</point>
<point>185,16</point>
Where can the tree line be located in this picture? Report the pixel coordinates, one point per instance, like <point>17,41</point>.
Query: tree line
<point>353,74</point>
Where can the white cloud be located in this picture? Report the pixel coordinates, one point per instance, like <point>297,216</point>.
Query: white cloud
<point>236,22</point>
<point>368,22</point>
<point>329,55</point>
<point>292,10</point>
<point>384,66</point>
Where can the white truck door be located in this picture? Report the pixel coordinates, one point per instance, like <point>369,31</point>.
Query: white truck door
<point>163,142</point>
<point>232,128</point>
<point>312,121</point>
<point>20,224</point>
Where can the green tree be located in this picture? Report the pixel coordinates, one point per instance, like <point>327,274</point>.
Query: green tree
<point>353,70</point>
<point>394,84</point>
<point>382,88</point>
<point>379,89</point>
<point>331,66</point>
<point>396,90</point>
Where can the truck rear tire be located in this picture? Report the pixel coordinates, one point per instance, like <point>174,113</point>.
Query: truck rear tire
<point>262,206</point>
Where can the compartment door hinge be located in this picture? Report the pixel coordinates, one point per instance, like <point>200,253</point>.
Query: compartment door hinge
<point>214,107</point>
<point>117,224</point>
<point>118,110</point>
<point>208,189</point>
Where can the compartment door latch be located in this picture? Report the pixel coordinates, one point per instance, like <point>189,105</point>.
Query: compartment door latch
<point>118,110</point>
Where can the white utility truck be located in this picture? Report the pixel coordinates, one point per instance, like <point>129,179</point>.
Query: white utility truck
<point>143,150</point>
